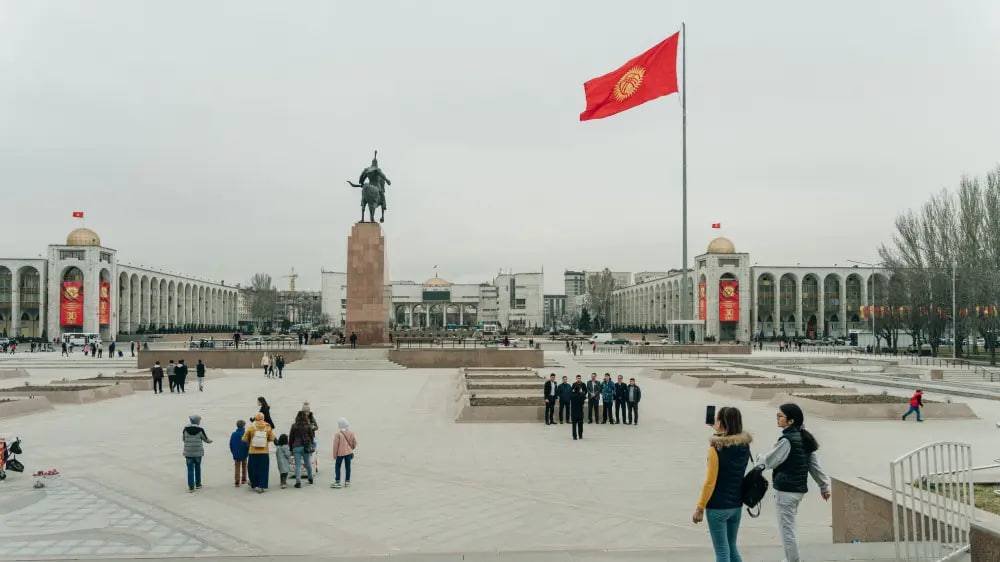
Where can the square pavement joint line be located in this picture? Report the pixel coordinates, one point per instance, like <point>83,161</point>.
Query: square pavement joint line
<point>131,527</point>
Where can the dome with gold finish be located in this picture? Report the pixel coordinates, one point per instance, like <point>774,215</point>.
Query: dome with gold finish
<point>721,245</point>
<point>83,237</point>
<point>436,282</point>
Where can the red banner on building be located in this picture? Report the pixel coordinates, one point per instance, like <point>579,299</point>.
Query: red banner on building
<point>729,300</point>
<point>104,312</point>
<point>71,304</point>
<point>702,304</point>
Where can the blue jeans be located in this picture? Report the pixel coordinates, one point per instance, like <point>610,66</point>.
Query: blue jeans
<point>723,525</point>
<point>346,459</point>
<point>301,456</point>
<point>194,471</point>
<point>913,409</point>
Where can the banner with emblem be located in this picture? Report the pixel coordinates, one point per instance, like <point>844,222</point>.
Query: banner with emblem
<point>702,300</point>
<point>729,300</point>
<point>71,304</point>
<point>104,310</point>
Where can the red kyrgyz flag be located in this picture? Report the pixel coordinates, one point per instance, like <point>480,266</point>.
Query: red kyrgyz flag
<point>77,214</point>
<point>646,77</point>
<point>716,225</point>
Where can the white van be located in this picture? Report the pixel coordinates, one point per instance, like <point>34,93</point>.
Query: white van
<point>79,339</point>
<point>600,337</point>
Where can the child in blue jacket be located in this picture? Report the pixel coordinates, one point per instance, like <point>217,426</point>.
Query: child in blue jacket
<point>240,450</point>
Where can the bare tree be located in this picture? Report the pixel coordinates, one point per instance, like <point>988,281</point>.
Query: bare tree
<point>600,286</point>
<point>263,298</point>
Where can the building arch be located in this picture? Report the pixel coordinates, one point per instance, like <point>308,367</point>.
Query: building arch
<point>767,322</point>
<point>6,301</point>
<point>833,302</point>
<point>124,302</point>
<point>788,297</point>
<point>29,295</point>
<point>419,316</point>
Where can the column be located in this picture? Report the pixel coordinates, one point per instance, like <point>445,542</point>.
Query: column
<point>821,320</point>
<point>864,301</point>
<point>798,305</point>
<point>427,316</point>
<point>15,302</point>
<point>754,312</point>
<point>776,292</point>
<point>461,314</point>
<point>843,306</point>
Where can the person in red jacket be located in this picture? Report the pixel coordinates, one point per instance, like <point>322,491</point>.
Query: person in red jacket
<point>916,402</point>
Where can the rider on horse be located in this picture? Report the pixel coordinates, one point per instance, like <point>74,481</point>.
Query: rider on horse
<point>376,176</point>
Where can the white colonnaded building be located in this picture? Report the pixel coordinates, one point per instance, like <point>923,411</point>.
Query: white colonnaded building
<point>82,287</point>
<point>512,300</point>
<point>732,300</point>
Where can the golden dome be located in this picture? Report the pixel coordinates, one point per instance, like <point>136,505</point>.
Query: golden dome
<point>83,237</point>
<point>436,282</point>
<point>721,245</point>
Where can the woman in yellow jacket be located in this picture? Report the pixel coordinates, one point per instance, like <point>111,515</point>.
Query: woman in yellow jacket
<point>259,436</point>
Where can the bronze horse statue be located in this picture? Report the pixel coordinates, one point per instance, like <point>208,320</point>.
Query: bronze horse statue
<point>370,198</point>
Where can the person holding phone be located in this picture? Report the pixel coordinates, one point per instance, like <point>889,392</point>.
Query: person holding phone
<point>792,460</point>
<point>721,500</point>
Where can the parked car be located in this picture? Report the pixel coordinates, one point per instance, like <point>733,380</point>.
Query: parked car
<point>618,342</point>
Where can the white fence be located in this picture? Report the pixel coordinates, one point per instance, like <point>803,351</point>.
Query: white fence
<point>932,501</point>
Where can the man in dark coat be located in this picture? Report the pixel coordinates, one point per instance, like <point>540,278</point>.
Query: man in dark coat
<point>620,387</point>
<point>578,395</point>
<point>632,396</point>
<point>180,373</point>
<point>593,399</point>
<point>564,391</point>
<point>549,393</point>
<point>157,372</point>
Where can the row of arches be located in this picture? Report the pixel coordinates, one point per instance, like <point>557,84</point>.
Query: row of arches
<point>20,301</point>
<point>435,315</point>
<point>791,303</point>
<point>151,302</point>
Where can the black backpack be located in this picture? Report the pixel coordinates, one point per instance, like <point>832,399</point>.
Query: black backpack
<point>753,489</point>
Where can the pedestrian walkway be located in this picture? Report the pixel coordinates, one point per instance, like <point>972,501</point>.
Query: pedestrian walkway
<point>319,358</point>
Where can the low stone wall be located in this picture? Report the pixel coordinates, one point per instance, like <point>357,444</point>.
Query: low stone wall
<point>692,349</point>
<point>509,396</point>
<point>834,411</point>
<point>773,388</point>
<point>862,511</point>
<point>136,382</point>
<point>667,372</point>
<point>696,380</point>
<point>214,358</point>
<point>448,358</point>
<point>19,406</point>
<point>74,396</point>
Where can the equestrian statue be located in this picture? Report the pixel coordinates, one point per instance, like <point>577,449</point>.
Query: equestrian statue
<point>372,183</point>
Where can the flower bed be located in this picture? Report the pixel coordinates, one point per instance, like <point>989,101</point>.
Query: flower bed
<point>765,390</point>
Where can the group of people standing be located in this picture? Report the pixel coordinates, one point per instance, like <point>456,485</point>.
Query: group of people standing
<point>271,362</point>
<point>792,460</point>
<point>176,374</point>
<point>251,448</point>
<point>616,400</point>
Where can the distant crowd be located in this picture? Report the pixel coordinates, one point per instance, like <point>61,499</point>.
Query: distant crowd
<point>619,402</point>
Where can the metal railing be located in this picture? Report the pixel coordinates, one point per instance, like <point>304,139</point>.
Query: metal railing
<point>221,345</point>
<point>453,343</point>
<point>932,501</point>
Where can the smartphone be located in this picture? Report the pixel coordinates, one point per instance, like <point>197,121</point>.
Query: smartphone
<point>709,415</point>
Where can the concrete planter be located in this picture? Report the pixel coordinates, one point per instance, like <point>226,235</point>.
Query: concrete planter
<point>765,391</point>
<point>70,393</point>
<point>498,395</point>
<point>138,383</point>
<point>666,373</point>
<point>12,373</point>
<point>704,380</point>
<point>19,406</point>
<point>838,411</point>
<point>481,357</point>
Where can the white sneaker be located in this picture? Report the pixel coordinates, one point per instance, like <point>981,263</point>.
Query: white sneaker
<point>335,485</point>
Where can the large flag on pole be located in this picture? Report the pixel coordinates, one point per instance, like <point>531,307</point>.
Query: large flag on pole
<point>647,76</point>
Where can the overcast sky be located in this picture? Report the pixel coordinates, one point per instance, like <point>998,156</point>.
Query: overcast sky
<point>215,138</point>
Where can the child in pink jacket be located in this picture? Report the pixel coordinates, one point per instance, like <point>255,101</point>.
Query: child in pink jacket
<point>344,443</point>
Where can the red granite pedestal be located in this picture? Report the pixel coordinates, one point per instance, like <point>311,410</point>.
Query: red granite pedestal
<point>367,309</point>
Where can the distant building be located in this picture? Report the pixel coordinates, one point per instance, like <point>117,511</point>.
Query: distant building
<point>644,276</point>
<point>81,286</point>
<point>554,310</point>
<point>576,286</point>
<point>438,303</point>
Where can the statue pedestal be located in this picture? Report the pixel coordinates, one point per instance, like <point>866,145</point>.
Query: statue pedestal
<point>367,309</point>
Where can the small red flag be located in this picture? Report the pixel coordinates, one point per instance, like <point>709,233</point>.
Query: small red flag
<point>645,77</point>
<point>77,214</point>
<point>716,225</point>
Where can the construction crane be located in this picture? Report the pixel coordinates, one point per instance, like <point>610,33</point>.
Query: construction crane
<point>291,279</point>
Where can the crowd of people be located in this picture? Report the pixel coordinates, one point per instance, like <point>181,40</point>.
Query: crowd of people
<point>176,374</point>
<point>792,460</point>
<point>617,402</point>
<point>251,448</point>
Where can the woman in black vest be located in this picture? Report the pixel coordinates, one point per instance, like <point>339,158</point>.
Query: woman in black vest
<point>793,459</point>
<point>721,502</point>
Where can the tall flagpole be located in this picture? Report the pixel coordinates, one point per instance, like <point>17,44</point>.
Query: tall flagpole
<point>684,181</point>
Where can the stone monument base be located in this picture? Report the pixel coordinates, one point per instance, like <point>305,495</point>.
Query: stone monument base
<point>367,310</point>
